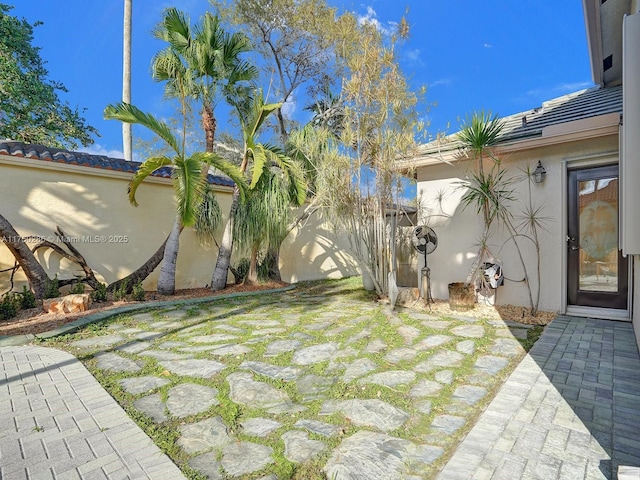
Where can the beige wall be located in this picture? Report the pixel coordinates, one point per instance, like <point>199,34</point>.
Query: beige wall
<point>92,206</point>
<point>459,230</point>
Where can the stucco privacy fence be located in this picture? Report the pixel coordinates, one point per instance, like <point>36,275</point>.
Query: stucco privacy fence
<point>86,195</point>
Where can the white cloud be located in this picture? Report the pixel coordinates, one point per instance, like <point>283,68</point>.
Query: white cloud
<point>289,107</point>
<point>487,45</point>
<point>572,87</point>
<point>97,149</point>
<point>414,56</point>
<point>371,18</point>
<point>561,88</point>
<point>445,82</point>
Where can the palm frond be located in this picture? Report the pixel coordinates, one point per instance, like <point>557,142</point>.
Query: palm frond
<point>149,166</point>
<point>480,131</point>
<point>128,113</point>
<point>189,185</point>
<point>232,171</point>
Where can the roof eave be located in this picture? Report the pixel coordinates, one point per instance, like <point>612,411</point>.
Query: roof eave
<point>593,25</point>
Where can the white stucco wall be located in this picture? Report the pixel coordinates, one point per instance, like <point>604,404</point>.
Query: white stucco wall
<point>459,230</point>
<point>115,238</point>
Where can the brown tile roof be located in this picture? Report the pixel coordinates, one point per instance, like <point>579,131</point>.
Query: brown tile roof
<point>57,155</point>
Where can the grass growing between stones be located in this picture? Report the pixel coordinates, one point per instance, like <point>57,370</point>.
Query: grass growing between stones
<point>346,352</point>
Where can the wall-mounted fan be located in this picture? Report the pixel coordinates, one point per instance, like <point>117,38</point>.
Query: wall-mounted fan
<point>425,241</point>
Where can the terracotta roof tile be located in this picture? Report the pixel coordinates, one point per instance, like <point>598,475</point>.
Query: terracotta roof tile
<point>47,154</point>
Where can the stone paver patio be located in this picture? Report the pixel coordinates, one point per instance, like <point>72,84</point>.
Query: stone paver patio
<point>259,387</point>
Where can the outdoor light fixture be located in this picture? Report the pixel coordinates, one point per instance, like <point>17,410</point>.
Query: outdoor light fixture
<point>539,173</point>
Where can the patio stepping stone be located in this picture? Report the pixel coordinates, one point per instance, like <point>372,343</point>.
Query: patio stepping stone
<point>320,428</point>
<point>193,368</point>
<point>469,394</point>
<point>133,347</point>
<point>261,323</point>
<point>299,448</point>
<point>490,364</point>
<point>137,385</point>
<point>507,347</point>
<point>402,354</point>
<point>448,424</point>
<point>100,341</point>
<point>318,326</point>
<point>241,458</point>
<point>444,376</point>
<point>408,333</point>
<point>468,331</point>
<point>213,338</point>
<point>164,324</point>
<point>424,407</point>
<point>375,346</point>
<point>164,355</point>
<point>301,336</point>
<point>390,378</point>
<point>423,316</point>
<point>464,318</point>
<point>148,335</point>
<point>208,465</point>
<point>130,330</point>
<point>143,317</point>
<point>371,413</point>
<point>369,455</point>
<point>432,341</point>
<point>272,371</point>
<point>173,314</point>
<point>233,349</point>
<point>246,391</point>
<point>358,368</point>
<point>436,324</point>
<point>281,346</point>
<point>513,332</point>
<point>425,388</point>
<point>204,435</point>
<point>466,346</point>
<point>312,387</point>
<point>115,363</point>
<point>315,354</point>
<point>443,358</point>
<point>229,328</point>
<point>259,427</point>
<point>364,333</point>
<point>168,345</point>
<point>267,331</point>
<point>152,406</point>
<point>190,399</point>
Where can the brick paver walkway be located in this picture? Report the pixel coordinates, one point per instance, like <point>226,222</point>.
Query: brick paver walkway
<point>56,421</point>
<point>570,410</point>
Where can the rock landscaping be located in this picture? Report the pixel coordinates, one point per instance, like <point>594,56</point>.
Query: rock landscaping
<point>318,382</point>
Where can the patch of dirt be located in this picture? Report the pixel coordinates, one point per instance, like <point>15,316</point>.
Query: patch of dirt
<point>513,313</point>
<point>34,320</point>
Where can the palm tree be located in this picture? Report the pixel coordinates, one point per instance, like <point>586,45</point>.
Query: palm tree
<point>262,157</point>
<point>189,181</point>
<point>212,59</point>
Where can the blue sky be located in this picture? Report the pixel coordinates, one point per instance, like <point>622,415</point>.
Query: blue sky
<point>500,55</point>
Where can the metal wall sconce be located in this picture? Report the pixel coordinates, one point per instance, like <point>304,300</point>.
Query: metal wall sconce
<point>539,173</point>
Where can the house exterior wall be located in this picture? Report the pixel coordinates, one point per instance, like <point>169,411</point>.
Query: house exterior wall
<point>459,229</point>
<point>91,206</point>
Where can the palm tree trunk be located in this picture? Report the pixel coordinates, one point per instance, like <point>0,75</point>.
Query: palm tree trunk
<point>209,126</point>
<point>167,278</point>
<point>219,279</point>
<point>252,274</point>
<point>126,79</point>
<point>36,275</point>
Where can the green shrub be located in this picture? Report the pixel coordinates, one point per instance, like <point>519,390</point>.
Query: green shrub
<point>8,306</point>
<point>120,293</point>
<point>27,298</point>
<point>51,288</point>
<point>138,293</point>
<point>100,293</point>
<point>77,287</point>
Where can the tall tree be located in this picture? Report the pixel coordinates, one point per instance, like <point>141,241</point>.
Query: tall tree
<point>126,78</point>
<point>257,158</point>
<point>30,109</point>
<point>213,59</point>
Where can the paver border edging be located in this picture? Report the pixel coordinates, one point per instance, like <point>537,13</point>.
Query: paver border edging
<point>17,340</point>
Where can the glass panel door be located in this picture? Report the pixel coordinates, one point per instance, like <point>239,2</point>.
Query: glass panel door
<point>597,271</point>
